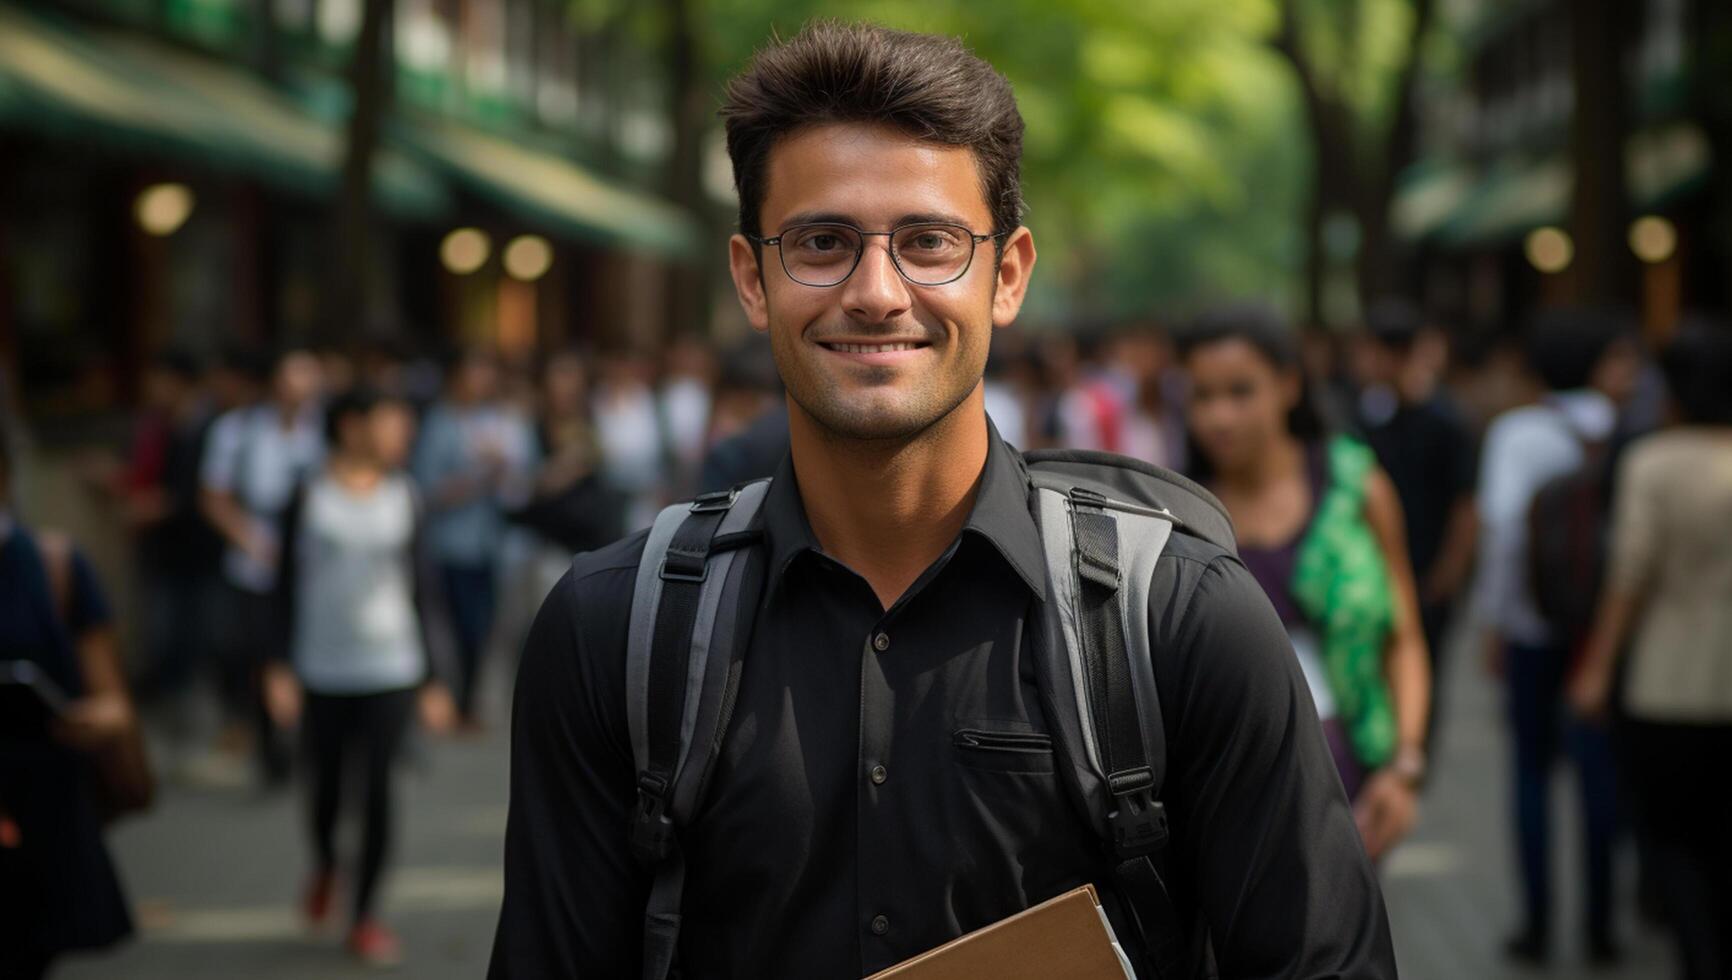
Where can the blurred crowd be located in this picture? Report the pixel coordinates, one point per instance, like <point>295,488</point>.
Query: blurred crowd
<point>1560,493</point>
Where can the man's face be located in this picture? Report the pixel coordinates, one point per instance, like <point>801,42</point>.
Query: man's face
<point>877,357</point>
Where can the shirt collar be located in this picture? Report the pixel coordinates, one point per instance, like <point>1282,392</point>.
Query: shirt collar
<point>1000,516</point>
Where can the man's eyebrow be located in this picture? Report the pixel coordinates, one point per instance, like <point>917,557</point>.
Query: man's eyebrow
<point>819,218</point>
<point>839,218</point>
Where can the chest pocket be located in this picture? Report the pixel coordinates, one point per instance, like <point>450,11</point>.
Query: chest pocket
<point>998,747</point>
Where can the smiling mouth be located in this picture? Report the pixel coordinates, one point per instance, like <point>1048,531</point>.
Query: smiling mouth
<point>872,348</point>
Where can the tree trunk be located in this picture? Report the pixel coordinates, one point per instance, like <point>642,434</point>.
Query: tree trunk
<point>1333,174</point>
<point>688,307</point>
<point>1603,272</point>
<point>1378,267</point>
<point>349,302</point>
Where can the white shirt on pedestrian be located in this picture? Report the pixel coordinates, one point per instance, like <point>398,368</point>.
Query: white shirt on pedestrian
<point>1525,448</point>
<point>356,627</point>
<point>257,458</point>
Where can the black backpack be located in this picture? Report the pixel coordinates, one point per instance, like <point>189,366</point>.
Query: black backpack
<point>1104,521</point>
<point>1568,526</point>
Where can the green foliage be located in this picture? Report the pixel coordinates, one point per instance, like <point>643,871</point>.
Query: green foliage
<point>1166,156</point>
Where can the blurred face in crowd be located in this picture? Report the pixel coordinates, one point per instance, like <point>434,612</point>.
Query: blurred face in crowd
<point>876,356</point>
<point>1619,370</point>
<point>477,379</point>
<point>565,385</point>
<point>296,380</point>
<point>1239,401</point>
<point>1374,362</point>
<point>391,433</point>
<point>164,388</point>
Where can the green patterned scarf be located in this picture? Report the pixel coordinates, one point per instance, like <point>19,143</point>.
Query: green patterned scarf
<point>1342,585</point>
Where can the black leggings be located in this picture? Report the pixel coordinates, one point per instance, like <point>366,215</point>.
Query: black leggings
<point>359,734</point>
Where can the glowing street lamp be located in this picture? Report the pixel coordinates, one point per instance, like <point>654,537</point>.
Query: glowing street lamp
<point>465,250</point>
<point>1550,250</point>
<point>528,257</point>
<point>162,208</point>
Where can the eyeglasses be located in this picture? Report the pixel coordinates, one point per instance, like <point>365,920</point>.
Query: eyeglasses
<point>825,254</point>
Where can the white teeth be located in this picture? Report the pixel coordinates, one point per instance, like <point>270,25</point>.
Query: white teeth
<point>869,348</point>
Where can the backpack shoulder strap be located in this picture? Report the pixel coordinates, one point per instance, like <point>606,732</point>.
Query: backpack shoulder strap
<point>1100,555</point>
<point>687,631</point>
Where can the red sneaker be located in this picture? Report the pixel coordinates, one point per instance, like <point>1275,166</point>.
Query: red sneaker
<point>316,901</point>
<point>373,944</point>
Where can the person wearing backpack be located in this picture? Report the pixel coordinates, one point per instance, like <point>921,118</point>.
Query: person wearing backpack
<point>916,682</point>
<point>1319,526</point>
<point>1538,532</point>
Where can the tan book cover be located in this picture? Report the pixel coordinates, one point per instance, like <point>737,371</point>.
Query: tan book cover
<point>1064,938</point>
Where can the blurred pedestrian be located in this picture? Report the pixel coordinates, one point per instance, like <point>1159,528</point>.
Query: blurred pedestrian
<point>1580,358</point>
<point>571,506</point>
<point>1425,446</point>
<point>60,775</point>
<point>177,550</point>
<point>1668,603</point>
<point>255,459</point>
<point>683,400</point>
<point>1319,526</point>
<point>358,608</point>
<point>748,423</point>
<point>1086,410</point>
<point>635,448</point>
<point>1139,365</point>
<point>474,456</point>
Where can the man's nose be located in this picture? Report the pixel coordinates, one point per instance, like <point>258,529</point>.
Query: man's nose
<point>876,291</point>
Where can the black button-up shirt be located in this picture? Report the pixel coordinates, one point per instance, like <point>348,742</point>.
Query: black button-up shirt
<point>888,782</point>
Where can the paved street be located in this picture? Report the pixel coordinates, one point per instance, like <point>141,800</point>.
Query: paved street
<point>215,874</point>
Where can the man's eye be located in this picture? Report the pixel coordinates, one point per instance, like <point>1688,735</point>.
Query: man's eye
<point>822,242</point>
<point>929,241</point>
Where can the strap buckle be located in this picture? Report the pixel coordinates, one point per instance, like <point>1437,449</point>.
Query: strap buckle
<point>680,567</point>
<point>1139,821</point>
<point>652,830</point>
<point>1087,497</point>
<point>715,501</point>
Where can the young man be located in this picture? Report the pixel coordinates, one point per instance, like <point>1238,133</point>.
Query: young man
<point>1585,364</point>
<point>845,826</point>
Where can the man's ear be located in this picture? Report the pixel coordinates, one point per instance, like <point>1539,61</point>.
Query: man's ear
<point>1015,265</point>
<point>749,282</point>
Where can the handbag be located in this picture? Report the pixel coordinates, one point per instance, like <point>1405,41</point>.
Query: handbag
<point>125,783</point>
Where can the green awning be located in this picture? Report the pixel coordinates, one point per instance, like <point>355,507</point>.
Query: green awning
<point>1428,194</point>
<point>1458,205</point>
<point>142,96</point>
<point>549,191</point>
<point>1512,199</point>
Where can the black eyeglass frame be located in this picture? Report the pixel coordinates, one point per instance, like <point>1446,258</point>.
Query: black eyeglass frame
<point>860,252</point>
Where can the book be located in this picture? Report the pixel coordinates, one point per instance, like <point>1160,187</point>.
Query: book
<point>1064,938</point>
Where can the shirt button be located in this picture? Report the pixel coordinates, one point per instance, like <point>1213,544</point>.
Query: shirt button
<point>881,642</point>
<point>879,774</point>
<point>880,925</point>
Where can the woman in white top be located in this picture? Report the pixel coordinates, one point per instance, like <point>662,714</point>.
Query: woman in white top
<point>1668,602</point>
<point>356,610</point>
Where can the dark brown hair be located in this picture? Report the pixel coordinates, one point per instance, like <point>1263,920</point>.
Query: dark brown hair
<point>926,85</point>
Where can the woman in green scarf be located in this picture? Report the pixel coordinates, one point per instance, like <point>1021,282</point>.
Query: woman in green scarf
<point>1319,526</point>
